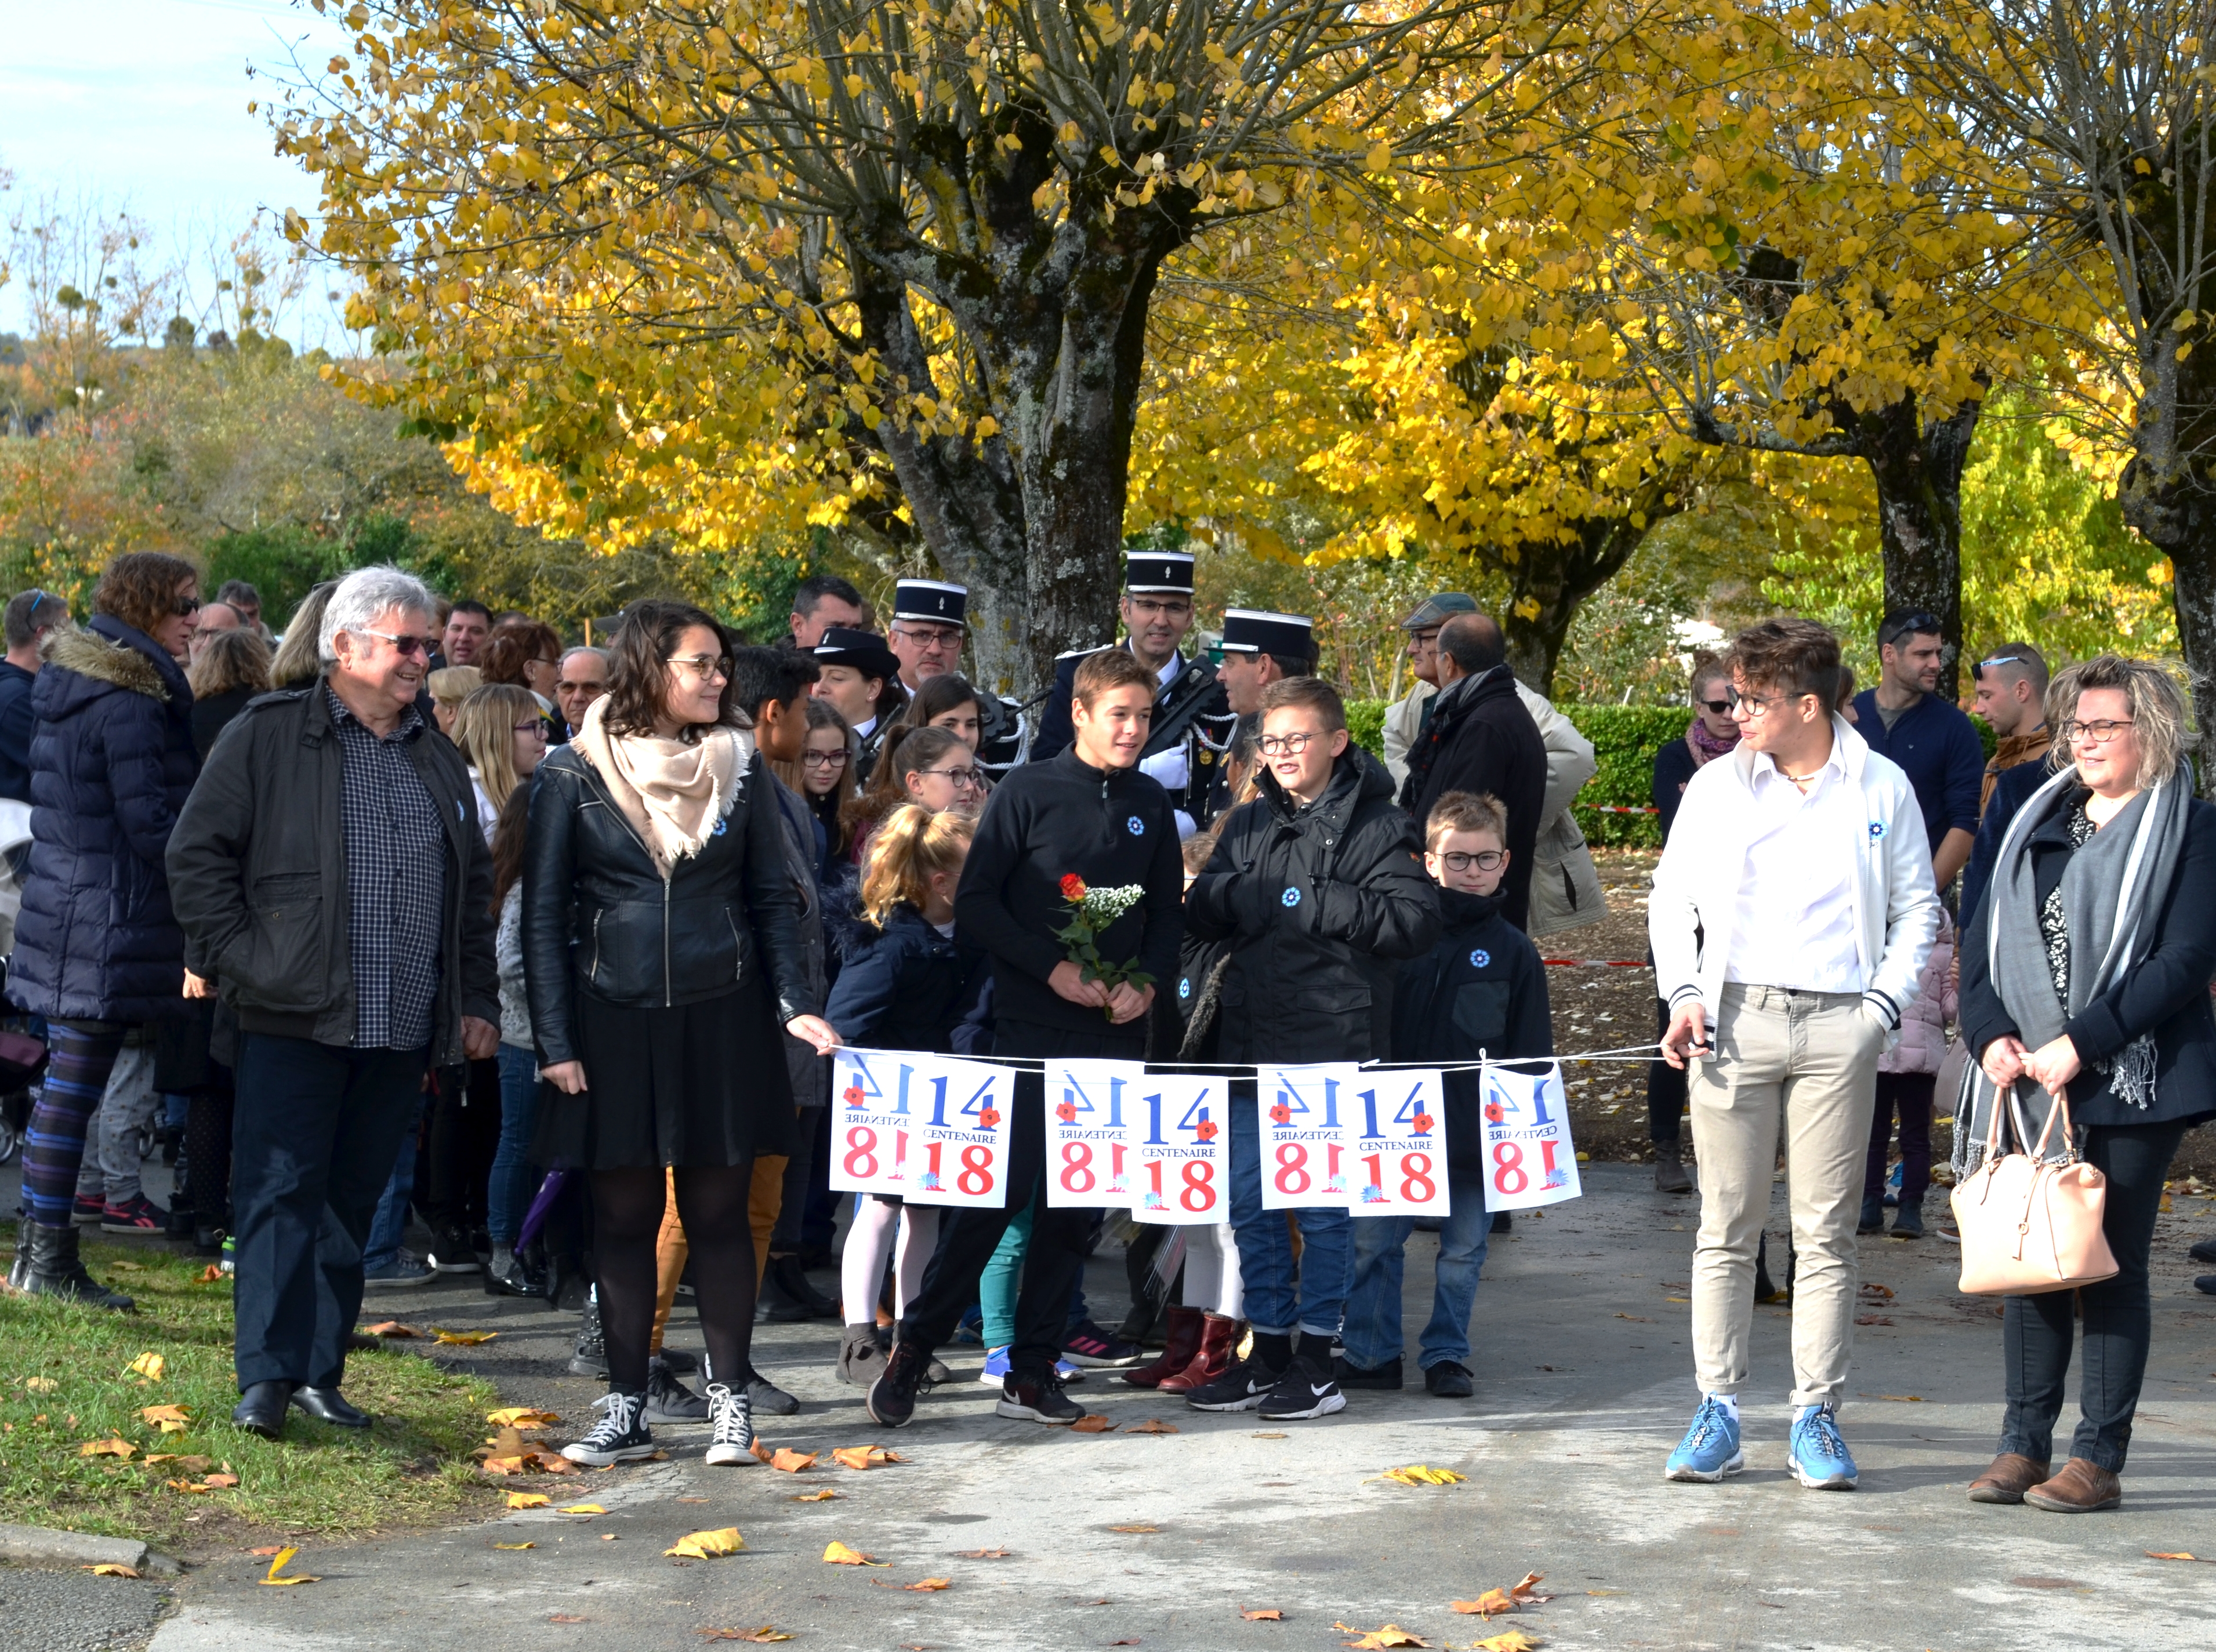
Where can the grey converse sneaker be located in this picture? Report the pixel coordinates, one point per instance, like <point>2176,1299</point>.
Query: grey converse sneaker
<point>733,1421</point>
<point>620,1436</point>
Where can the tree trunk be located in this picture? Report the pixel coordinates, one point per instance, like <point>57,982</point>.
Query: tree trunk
<point>1918,469</point>
<point>1548,580</point>
<point>2179,518</point>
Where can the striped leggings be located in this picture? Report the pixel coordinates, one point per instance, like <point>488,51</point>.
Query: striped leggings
<point>76,1078</point>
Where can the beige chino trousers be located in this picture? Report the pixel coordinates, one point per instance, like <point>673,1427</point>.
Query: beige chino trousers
<point>1809,1060</point>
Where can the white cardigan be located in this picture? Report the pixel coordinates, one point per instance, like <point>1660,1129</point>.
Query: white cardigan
<point>1695,898</point>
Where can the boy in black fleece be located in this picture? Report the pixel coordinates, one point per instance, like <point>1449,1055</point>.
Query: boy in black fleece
<point>1087,811</point>
<point>1480,990</point>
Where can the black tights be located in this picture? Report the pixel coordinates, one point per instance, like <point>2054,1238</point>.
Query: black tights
<point>627,1211</point>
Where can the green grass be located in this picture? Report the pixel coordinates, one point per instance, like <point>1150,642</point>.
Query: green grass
<point>412,1468</point>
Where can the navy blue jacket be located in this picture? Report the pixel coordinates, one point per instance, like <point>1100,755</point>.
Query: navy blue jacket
<point>16,721</point>
<point>2012,789</point>
<point>112,764</point>
<point>1938,747</point>
<point>1479,991</point>
<point>909,989</point>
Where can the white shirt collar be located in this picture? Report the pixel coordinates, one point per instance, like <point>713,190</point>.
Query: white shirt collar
<point>1765,766</point>
<point>863,730</point>
<point>1168,673</point>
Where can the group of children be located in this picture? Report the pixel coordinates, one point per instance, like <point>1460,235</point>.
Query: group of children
<point>1316,923</point>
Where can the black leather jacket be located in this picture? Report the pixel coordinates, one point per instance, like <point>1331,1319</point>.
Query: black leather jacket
<point>598,917</point>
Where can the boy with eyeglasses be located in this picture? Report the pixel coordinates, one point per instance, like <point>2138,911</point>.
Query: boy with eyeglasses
<point>1480,991</point>
<point>1317,888</point>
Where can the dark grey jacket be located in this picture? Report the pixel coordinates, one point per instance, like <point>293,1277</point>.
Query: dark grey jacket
<point>258,876</point>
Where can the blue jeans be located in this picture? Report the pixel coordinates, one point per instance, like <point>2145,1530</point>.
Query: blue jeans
<point>1372,1333</point>
<point>512,1183</point>
<point>382,1248</point>
<point>1265,1243</point>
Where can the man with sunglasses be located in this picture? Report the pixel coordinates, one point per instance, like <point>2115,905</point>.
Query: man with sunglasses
<point>333,885</point>
<point>1935,743</point>
<point>30,616</point>
<point>1792,912</point>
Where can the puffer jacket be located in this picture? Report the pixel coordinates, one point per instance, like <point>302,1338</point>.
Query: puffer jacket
<point>1923,1044</point>
<point>1317,903</point>
<point>599,918</point>
<point>112,763</point>
<point>906,988</point>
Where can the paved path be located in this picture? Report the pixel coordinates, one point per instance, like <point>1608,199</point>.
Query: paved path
<point>1583,1386</point>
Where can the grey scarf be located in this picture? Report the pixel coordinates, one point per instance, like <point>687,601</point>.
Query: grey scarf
<point>2105,891</point>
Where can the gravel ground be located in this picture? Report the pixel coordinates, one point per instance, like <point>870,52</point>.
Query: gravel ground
<point>76,1611</point>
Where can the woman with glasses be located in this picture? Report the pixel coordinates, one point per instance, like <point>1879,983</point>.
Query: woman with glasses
<point>824,778</point>
<point>661,952</point>
<point>929,766</point>
<point>1712,734</point>
<point>98,949</point>
<point>2085,973</point>
<point>501,732</point>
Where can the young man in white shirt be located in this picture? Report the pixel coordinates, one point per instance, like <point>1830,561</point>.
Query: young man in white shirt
<point>1792,910</point>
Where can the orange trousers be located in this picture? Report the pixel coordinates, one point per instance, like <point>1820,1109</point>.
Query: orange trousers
<point>764,1197</point>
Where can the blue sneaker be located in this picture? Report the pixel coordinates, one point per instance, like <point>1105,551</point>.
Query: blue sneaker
<point>1817,1455</point>
<point>996,1368</point>
<point>1709,1449</point>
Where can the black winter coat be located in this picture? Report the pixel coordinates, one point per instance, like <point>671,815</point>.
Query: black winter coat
<point>259,865</point>
<point>2164,992</point>
<point>906,989</point>
<point>112,763</point>
<point>1317,902</point>
<point>1481,739</point>
<point>1480,991</point>
<point>598,917</point>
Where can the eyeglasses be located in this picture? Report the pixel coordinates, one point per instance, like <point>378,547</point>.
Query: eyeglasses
<point>704,667</point>
<point>1159,607</point>
<point>1290,744</point>
<point>1486,860</point>
<point>1717,706</point>
<point>536,725</point>
<point>930,641</point>
<point>2099,732</point>
<point>825,759</point>
<point>403,645</point>
<point>958,777</point>
<point>1756,705</point>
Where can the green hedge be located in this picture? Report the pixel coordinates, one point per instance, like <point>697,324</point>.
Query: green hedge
<point>1625,739</point>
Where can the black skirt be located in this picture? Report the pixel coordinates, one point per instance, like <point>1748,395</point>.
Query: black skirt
<point>695,1086</point>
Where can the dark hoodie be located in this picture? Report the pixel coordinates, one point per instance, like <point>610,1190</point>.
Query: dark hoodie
<point>1480,739</point>
<point>1479,991</point>
<point>1314,902</point>
<point>112,763</point>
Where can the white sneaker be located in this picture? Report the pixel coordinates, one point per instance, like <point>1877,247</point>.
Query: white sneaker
<point>732,1418</point>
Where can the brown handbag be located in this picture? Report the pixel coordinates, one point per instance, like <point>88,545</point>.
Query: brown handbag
<point>2029,1226</point>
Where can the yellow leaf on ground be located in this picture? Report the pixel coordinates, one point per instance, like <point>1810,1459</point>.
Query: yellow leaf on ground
<point>1526,1588</point>
<point>1263,1614</point>
<point>462,1338</point>
<point>1091,1423</point>
<point>111,1569</point>
<point>285,1559</point>
<point>1391,1635</point>
<point>527,1500</point>
<point>1514,1639</point>
<point>190,1487</point>
<point>2180,1555</point>
<point>150,1366</point>
<point>40,1385</point>
<point>1152,1426</point>
<point>521,1417</point>
<point>838,1554</point>
<point>219,1482</point>
<point>790,1461</point>
<point>110,1446</point>
<point>393,1328</point>
<point>1485,1605</point>
<point>515,1545</point>
<point>706,1545</point>
<point>1418,1474</point>
<point>211,1274</point>
<point>175,1414</point>
<point>759,1637</point>
<point>864,1457</point>
<point>506,1465</point>
<point>822,1497</point>
<point>986,1554</point>
<point>581,1508</point>
<point>930,1586</point>
<point>1135,1528</point>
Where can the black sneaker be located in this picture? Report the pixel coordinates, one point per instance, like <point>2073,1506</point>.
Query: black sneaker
<point>891,1400</point>
<point>1036,1399</point>
<point>450,1253</point>
<point>787,1298</point>
<point>1450,1379</point>
<point>1500,1222</point>
<point>1242,1388</point>
<point>1350,1375</point>
<point>767,1397</point>
<point>1086,1344</point>
<point>1305,1390</point>
<point>620,1436</point>
<point>590,1356</point>
<point>2206,1284</point>
<point>669,1400</point>
<point>2203,1251</point>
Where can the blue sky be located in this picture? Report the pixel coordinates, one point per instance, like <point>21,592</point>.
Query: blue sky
<point>143,102</point>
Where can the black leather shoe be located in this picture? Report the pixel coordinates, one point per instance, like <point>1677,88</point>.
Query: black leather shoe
<point>329,1405</point>
<point>261,1408</point>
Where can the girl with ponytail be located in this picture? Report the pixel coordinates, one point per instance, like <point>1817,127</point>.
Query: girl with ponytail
<point>907,986</point>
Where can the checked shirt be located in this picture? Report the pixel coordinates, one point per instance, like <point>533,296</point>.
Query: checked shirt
<point>396,850</point>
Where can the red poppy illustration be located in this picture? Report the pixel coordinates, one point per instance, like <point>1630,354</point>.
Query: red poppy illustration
<point>987,1117</point>
<point>1281,1114</point>
<point>1494,1112</point>
<point>1204,1130</point>
<point>1423,1123</point>
<point>852,1094</point>
<point>1066,1112</point>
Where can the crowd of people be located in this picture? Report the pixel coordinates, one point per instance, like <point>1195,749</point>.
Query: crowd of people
<point>415,913</point>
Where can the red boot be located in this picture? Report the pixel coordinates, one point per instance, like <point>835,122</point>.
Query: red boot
<point>1219,1336</point>
<point>1184,1342</point>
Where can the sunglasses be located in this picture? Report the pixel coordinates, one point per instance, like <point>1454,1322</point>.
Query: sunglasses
<point>185,607</point>
<point>1717,706</point>
<point>1909,625</point>
<point>405,645</point>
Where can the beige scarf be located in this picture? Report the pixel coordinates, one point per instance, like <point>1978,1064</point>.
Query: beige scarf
<point>674,796</point>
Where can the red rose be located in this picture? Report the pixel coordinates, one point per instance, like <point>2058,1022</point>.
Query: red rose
<point>1073,886</point>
